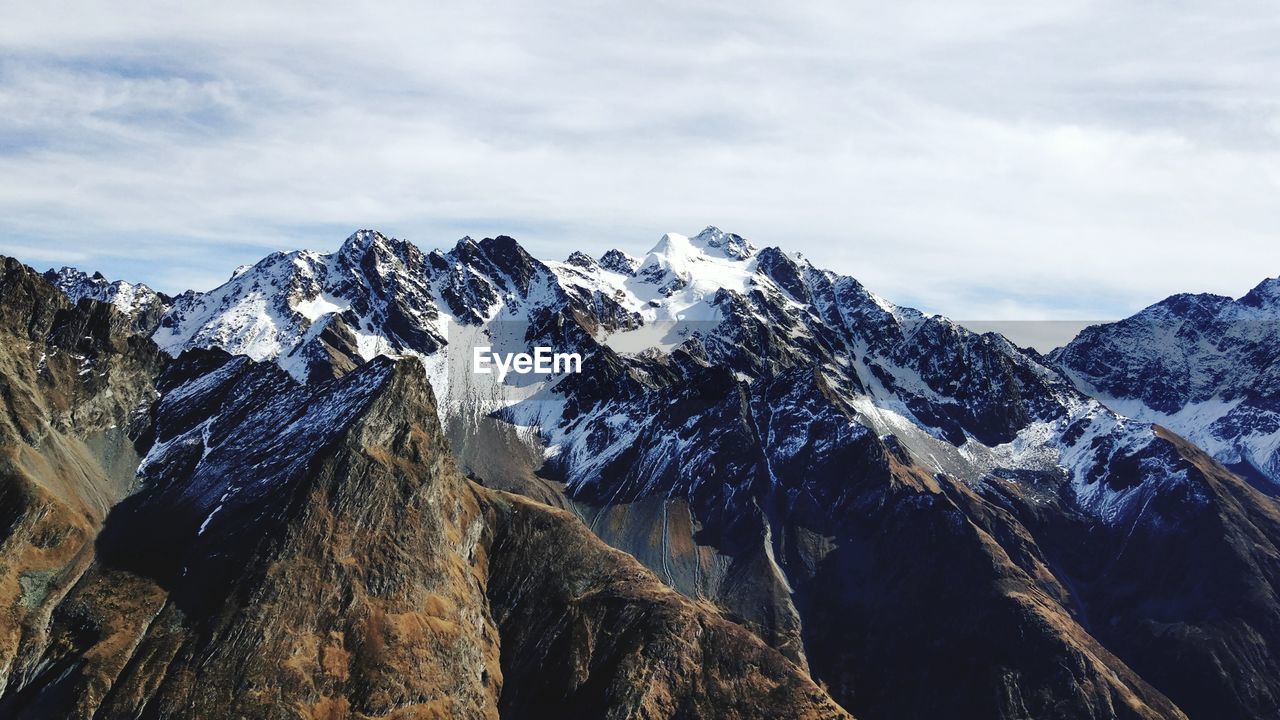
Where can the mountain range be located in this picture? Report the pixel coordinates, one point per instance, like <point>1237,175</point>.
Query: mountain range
<point>770,493</point>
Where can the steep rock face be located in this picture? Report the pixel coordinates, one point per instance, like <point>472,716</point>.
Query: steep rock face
<point>74,383</point>
<point>620,262</point>
<point>844,552</point>
<point>338,582</point>
<point>1193,576</point>
<point>984,618</point>
<point>588,632</point>
<point>1205,366</point>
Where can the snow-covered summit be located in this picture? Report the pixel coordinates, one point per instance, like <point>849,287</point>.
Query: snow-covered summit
<point>371,293</point>
<point>137,301</point>
<point>375,295</point>
<point>730,245</point>
<point>1203,365</point>
<point>691,309</point>
<point>678,262</point>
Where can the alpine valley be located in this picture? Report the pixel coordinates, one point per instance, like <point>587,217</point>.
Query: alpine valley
<point>770,493</point>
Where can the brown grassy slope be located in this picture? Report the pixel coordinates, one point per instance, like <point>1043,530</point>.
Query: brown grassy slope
<point>70,379</point>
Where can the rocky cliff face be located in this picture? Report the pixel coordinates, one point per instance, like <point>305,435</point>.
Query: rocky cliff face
<point>1194,577</point>
<point>74,382</point>
<point>311,550</point>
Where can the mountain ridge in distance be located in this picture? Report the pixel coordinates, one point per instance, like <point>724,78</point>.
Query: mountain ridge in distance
<point>1206,366</point>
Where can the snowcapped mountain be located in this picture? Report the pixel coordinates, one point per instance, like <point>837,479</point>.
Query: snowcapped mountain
<point>881,495</point>
<point>946,394</point>
<point>1205,366</point>
<point>176,530</point>
<point>314,312</point>
<point>139,302</point>
<point>295,307</point>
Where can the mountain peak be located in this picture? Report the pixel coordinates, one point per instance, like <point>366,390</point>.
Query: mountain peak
<point>620,262</point>
<point>671,243</point>
<point>730,245</point>
<point>1265,295</point>
<point>362,240</point>
<point>582,260</point>
<point>139,302</point>
<point>377,251</point>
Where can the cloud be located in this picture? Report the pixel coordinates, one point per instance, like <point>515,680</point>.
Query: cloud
<point>986,160</point>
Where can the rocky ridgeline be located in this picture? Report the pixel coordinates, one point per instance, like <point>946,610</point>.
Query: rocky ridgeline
<point>308,550</point>
<point>925,520</point>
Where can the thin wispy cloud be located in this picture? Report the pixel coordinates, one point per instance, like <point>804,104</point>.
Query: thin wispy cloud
<point>990,160</point>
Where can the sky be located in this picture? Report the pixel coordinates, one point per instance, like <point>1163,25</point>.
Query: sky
<point>990,161</point>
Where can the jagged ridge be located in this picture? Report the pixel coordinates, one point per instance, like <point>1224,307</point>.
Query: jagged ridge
<point>770,435</point>
<point>311,550</point>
